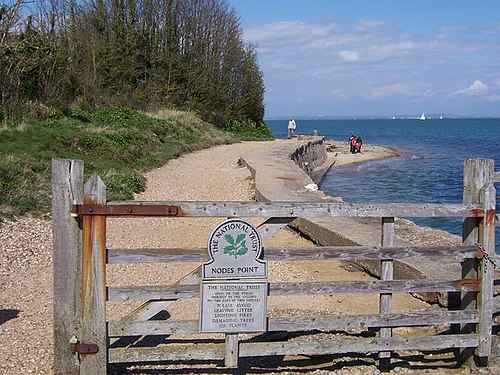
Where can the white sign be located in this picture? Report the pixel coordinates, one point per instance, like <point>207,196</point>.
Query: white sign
<point>231,307</point>
<point>234,248</point>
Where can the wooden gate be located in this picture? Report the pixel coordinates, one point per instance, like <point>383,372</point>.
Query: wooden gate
<point>85,342</point>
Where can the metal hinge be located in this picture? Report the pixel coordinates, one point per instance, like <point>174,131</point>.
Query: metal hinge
<point>82,348</point>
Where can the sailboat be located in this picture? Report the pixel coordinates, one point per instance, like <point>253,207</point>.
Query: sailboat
<point>422,117</point>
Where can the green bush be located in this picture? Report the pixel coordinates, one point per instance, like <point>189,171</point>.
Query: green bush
<point>54,113</point>
<point>248,130</point>
<point>119,117</point>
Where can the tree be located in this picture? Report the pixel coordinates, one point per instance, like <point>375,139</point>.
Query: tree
<point>187,54</point>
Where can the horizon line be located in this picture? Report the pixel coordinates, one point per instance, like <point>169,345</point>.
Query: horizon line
<point>388,117</point>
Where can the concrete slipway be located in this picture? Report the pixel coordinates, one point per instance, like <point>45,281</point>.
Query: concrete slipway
<point>283,171</point>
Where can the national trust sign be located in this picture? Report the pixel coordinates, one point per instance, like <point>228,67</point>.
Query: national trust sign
<point>234,281</point>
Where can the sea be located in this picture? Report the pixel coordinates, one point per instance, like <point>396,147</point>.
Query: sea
<point>429,170</point>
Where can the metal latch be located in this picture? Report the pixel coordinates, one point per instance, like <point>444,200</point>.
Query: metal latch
<point>82,348</point>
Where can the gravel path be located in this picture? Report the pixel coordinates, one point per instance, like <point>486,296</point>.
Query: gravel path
<point>25,297</point>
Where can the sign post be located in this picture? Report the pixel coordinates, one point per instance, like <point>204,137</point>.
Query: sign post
<point>234,281</point>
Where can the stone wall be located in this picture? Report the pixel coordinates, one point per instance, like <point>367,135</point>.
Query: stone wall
<point>310,155</point>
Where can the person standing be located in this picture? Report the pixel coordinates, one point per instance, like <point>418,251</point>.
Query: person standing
<point>291,128</point>
<point>352,144</point>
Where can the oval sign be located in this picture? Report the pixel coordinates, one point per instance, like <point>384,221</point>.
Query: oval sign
<point>234,248</point>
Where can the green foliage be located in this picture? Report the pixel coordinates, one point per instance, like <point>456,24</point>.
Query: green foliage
<point>54,113</point>
<point>24,186</point>
<point>117,144</point>
<point>122,185</point>
<point>118,117</point>
<point>247,130</point>
<point>186,54</point>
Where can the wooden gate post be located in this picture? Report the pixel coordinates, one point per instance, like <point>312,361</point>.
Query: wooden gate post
<point>486,273</point>
<point>478,173</point>
<point>93,294</point>
<point>67,189</point>
<point>386,273</point>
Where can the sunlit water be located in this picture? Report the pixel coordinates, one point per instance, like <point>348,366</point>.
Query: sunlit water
<point>430,169</point>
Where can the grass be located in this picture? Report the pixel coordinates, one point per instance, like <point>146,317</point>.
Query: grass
<point>117,144</point>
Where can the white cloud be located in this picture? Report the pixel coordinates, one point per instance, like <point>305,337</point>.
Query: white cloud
<point>393,50</point>
<point>386,90</point>
<point>373,60</point>
<point>447,31</point>
<point>368,41</point>
<point>349,55</point>
<point>339,95</point>
<point>288,34</point>
<point>371,25</point>
<point>428,94</point>
<point>494,98</point>
<point>478,88</point>
<point>495,30</point>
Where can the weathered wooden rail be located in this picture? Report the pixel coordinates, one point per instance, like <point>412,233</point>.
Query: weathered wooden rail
<point>496,177</point>
<point>80,291</point>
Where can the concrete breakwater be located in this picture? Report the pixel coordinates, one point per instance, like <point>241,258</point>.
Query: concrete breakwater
<point>275,171</point>
<point>310,155</point>
<point>283,173</point>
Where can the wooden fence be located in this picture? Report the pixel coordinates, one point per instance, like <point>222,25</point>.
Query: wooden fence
<point>83,337</point>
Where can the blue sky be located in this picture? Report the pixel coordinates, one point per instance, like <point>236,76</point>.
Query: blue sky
<point>376,57</point>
